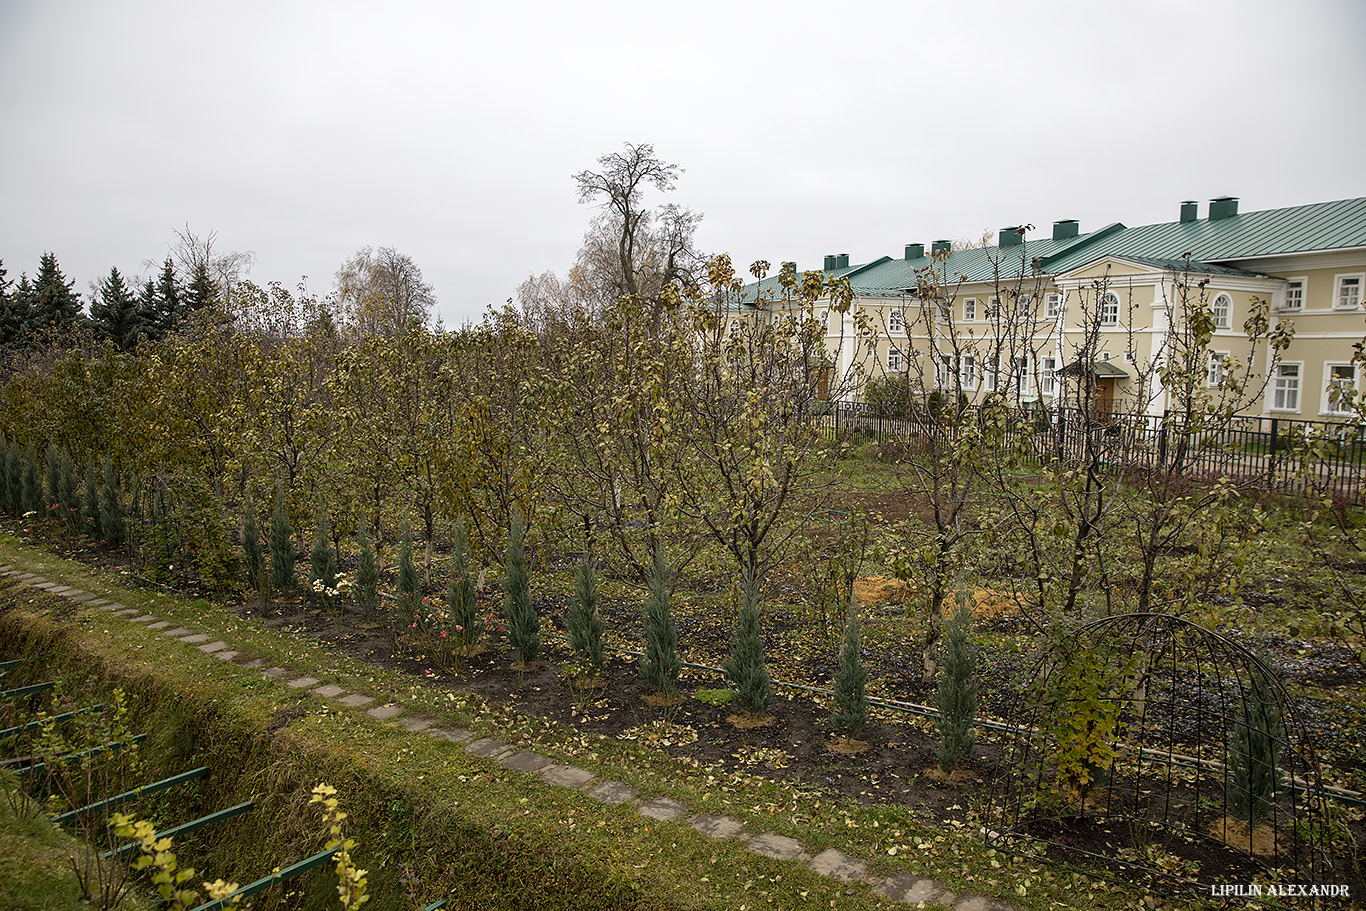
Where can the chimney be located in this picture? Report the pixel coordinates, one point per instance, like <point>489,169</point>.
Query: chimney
<point>1066,228</point>
<point>1010,237</point>
<point>915,251</point>
<point>842,261</point>
<point>829,262</point>
<point>941,246</point>
<point>1222,207</point>
<point>1189,211</point>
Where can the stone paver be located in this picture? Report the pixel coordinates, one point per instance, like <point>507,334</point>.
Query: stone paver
<point>209,648</point>
<point>972,902</point>
<point>613,792</point>
<point>417,723</point>
<point>57,588</point>
<point>84,598</point>
<point>196,638</point>
<point>838,865</point>
<point>143,619</point>
<point>356,700</point>
<point>46,585</point>
<point>299,683</point>
<point>100,603</point>
<point>662,808</point>
<point>177,632</point>
<point>274,672</point>
<point>112,606</point>
<point>717,826</point>
<point>567,776</point>
<point>912,889</point>
<point>779,847</point>
<point>489,748</point>
<point>129,611</point>
<point>75,594</point>
<point>227,655</point>
<point>384,712</point>
<point>330,691</point>
<point>254,663</point>
<point>450,735</point>
<point>525,761</point>
<point>160,624</point>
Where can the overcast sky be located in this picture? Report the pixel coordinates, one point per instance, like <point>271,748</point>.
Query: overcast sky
<point>304,131</point>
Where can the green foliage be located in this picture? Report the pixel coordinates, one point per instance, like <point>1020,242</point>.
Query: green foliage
<point>523,623</point>
<point>281,549</point>
<point>53,467</point>
<point>1082,717</point>
<point>56,305</point>
<point>351,881</point>
<point>409,581</point>
<point>367,575</point>
<point>115,314</point>
<point>14,469</point>
<point>464,626</point>
<point>1254,745</point>
<point>716,697</point>
<point>850,712</point>
<point>251,547</point>
<point>31,485</point>
<point>171,880</point>
<point>90,507</point>
<point>956,697</point>
<point>112,525</point>
<point>660,665</point>
<point>322,567</point>
<point>585,624</point>
<point>745,669</point>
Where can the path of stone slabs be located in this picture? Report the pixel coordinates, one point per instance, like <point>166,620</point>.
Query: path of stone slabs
<point>903,887</point>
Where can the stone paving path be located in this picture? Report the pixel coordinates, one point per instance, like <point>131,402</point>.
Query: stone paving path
<point>903,887</point>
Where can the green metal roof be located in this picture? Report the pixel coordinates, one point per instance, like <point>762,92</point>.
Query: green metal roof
<point>1102,369</point>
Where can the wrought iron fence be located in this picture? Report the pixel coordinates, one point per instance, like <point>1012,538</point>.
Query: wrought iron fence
<point>1317,458</point>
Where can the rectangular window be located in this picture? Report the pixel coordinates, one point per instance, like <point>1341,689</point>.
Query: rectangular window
<point>1347,296</point>
<point>1218,367</point>
<point>993,308</point>
<point>969,308</point>
<point>967,371</point>
<point>989,374</point>
<point>894,364</point>
<point>945,377</point>
<point>1285,388</point>
<point>1294,294</point>
<point>1023,381</point>
<point>1052,305</point>
<point>1048,376</point>
<point>1340,392</point>
<point>1024,300</point>
<point>895,323</point>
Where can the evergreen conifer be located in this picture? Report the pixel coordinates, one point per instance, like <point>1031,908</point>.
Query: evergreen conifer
<point>409,582</point>
<point>68,498</point>
<point>251,547</point>
<point>464,625</point>
<point>90,505</point>
<point>281,549</point>
<point>745,669</point>
<point>56,305</point>
<point>367,575</point>
<point>585,624</point>
<point>523,623</point>
<point>322,564</point>
<point>660,665</point>
<point>31,485</point>
<point>112,525</point>
<point>53,469</point>
<point>115,314</point>
<point>4,472</point>
<point>1255,743</point>
<point>851,680</point>
<point>14,471</point>
<point>956,697</point>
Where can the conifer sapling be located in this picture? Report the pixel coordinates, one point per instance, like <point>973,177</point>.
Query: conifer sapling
<point>523,624</point>
<point>112,525</point>
<point>745,669</point>
<point>956,697</point>
<point>464,626</point>
<point>281,549</point>
<point>585,624</point>
<point>409,582</point>
<point>367,575</point>
<point>660,665</point>
<point>851,680</point>
<point>251,547</point>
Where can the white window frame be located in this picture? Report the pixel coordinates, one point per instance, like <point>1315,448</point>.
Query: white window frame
<point>1218,369</point>
<point>1052,304</point>
<point>991,373</point>
<point>1326,405</point>
<point>1109,309</point>
<point>1347,290</point>
<point>969,309</point>
<point>895,360</point>
<point>1223,313</point>
<point>1048,376</point>
<point>967,372</point>
<point>824,317</point>
<point>944,376</point>
<point>993,310</point>
<point>896,323</point>
<point>1299,284</point>
<point>1021,376</point>
<point>1285,387</point>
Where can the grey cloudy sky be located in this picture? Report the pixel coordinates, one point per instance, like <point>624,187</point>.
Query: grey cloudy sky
<point>303,131</point>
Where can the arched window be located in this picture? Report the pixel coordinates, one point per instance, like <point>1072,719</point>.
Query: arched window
<point>1222,307</point>
<point>1109,309</point>
<point>825,319</point>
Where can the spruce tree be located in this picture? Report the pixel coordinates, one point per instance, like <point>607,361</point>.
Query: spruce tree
<point>519,615</point>
<point>68,500</point>
<point>251,547</point>
<point>112,524</point>
<point>585,624</point>
<point>1254,748</point>
<point>851,680</point>
<point>409,582</point>
<point>114,312</point>
<point>53,470</point>
<point>660,665</point>
<point>745,669</point>
<point>31,485</point>
<point>202,291</point>
<point>169,303</point>
<point>90,505</point>
<point>281,549</point>
<point>322,564</point>
<point>17,321</point>
<point>367,575</point>
<point>464,625</point>
<point>55,304</point>
<point>956,697</point>
<point>14,469</point>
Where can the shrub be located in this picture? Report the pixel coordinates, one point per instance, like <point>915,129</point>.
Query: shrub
<point>585,622</point>
<point>322,564</point>
<point>367,575</point>
<point>956,697</point>
<point>745,668</point>
<point>112,525</point>
<point>90,509</point>
<point>851,680</point>
<point>31,484</point>
<point>14,472</point>
<point>523,624</point>
<point>281,548</point>
<point>251,547</point>
<point>660,665</point>
<point>409,582</point>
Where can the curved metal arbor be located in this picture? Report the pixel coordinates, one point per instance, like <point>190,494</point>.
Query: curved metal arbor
<point>1148,744</point>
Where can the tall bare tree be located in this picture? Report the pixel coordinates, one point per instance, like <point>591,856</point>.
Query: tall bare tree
<point>383,292</point>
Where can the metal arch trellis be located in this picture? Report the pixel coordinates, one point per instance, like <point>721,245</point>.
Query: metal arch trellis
<point>1147,744</point>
